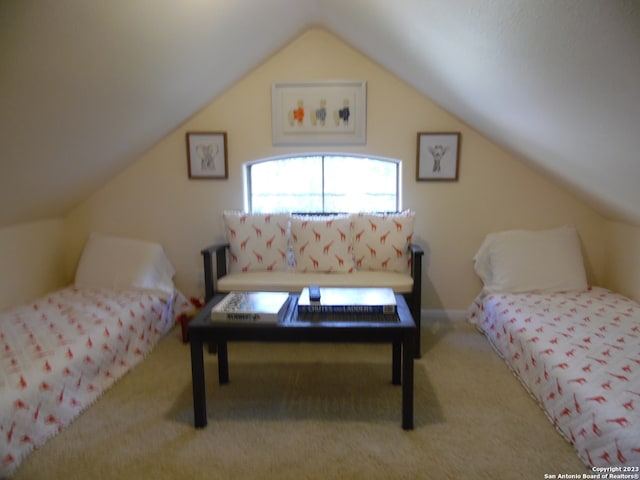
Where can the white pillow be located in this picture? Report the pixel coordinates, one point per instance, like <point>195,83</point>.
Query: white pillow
<point>118,263</point>
<point>524,260</point>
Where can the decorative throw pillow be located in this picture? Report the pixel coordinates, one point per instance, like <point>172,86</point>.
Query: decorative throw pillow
<point>381,241</point>
<point>322,244</point>
<point>257,242</point>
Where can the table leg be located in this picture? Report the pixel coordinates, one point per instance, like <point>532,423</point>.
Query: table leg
<point>407,382</point>
<point>197,379</point>
<point>396,363</point>
<point>223,363</point>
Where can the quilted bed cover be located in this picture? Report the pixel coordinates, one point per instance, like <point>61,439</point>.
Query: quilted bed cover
<point>578,355</point>
<point>61,352</point>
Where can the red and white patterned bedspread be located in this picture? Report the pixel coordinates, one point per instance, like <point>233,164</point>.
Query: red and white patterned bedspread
<point>61,352</point>
<point>579,357</point>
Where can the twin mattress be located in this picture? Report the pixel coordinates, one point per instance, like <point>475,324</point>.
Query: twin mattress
<point>578,355</point>
<point>62,351</point>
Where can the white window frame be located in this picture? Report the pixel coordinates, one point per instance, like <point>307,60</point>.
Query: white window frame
<point>248,165</point>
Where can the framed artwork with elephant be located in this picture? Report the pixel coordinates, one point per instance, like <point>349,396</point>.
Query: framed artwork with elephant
<point>207,155</point>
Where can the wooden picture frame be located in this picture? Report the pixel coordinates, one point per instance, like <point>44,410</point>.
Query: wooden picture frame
<point>319,113</point>
<point>207,155</point>
<point>438,156</point>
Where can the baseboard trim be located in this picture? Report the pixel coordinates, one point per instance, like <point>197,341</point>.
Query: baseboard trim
<point>438,315</point>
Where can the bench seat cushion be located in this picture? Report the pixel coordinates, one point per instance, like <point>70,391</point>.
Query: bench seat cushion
<point>296,281</point>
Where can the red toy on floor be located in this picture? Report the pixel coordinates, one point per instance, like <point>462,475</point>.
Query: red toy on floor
<point>186,317</point>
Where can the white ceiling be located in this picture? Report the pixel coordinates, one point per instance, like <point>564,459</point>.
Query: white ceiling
<point>86,86</point>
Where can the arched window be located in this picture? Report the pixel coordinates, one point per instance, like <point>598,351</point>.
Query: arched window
<point>323,183</point>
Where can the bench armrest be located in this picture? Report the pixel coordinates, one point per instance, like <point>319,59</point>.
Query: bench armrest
<point>415,299</point>
<point>218,250</point>
<point>416,260</point>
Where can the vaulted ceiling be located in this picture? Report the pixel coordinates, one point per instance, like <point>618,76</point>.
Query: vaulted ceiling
<point>86,86</point>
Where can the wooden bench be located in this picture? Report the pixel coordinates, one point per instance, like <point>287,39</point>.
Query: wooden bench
<point>219,279</point>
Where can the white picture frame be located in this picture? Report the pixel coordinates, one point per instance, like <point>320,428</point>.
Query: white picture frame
<point>319,113</point>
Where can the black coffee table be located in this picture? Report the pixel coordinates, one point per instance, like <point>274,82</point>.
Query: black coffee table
<point>400,332</point>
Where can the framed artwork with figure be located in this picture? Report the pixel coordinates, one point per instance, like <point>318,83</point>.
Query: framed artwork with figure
<point>438,156</point>
<point>207,155</point>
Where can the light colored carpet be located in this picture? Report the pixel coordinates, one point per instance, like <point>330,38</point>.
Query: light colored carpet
<point>313,411</point>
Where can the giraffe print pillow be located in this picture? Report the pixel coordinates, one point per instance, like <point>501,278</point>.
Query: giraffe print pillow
<point>381,242</point>
<point>258,242</point>
<point>322,244</point>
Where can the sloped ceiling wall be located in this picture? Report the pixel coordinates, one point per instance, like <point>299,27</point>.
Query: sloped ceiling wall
<point>85,87</point>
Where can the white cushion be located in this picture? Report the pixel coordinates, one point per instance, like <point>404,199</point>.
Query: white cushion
<point>381,242</point>
<point>524,260</point>
<point>120,263</point>
<point>257,242</point>
<point>296,281</point>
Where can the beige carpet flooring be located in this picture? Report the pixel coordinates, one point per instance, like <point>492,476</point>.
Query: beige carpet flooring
<point>313,411</point>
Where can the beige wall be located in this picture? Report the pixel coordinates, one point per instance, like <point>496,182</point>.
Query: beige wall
<point>622,272</point>
<point>154,199</point>
<point>31,259</point>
